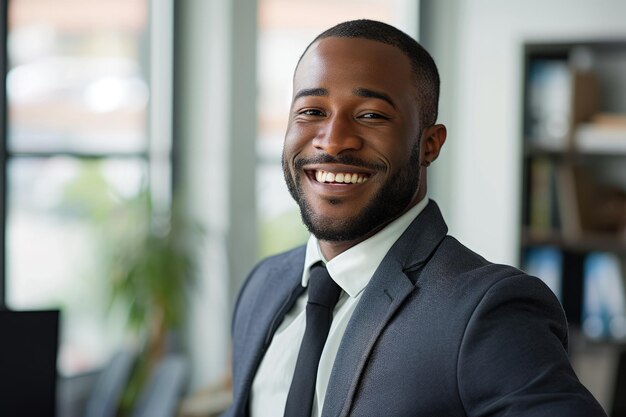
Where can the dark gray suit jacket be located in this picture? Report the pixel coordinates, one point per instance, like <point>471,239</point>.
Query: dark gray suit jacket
<point>438,332</point>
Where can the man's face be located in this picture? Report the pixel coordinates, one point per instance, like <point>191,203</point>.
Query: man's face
<point>351,157</point>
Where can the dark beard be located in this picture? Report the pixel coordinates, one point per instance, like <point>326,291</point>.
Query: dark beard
<point>389,203</point>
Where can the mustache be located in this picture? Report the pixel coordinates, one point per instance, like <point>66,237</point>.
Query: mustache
<point>339,159</point>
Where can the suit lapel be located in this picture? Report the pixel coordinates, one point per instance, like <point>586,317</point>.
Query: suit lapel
<point>276,298</point>
<point>384,294</point>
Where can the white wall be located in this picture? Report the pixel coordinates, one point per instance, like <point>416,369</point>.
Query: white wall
<point>480,174</point>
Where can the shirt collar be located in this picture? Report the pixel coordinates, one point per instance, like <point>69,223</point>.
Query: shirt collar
<point>353,269</point>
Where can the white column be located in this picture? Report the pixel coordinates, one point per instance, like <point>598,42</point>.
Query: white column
<point>215,125</point>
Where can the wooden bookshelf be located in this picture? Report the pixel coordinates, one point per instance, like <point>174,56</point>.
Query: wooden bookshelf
<point>573,220</point>
<point>589,242</point>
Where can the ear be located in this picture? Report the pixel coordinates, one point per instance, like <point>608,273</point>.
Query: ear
<point>432,140</point>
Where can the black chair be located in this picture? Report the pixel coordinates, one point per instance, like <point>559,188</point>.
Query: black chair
<point>162,395</point>
<point>105,397</point>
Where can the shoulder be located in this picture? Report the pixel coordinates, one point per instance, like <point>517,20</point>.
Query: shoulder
<point>460,278</point>
<point>453,259</point>
<point>293,257</point>
<point>512,335</point>
<point>454,262</point>
<point>276,264</point>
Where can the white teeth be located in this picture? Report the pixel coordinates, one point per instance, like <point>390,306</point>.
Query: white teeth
<point>341,177</point>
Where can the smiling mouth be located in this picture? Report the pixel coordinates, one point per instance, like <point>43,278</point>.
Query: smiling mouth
<point>338,177</point>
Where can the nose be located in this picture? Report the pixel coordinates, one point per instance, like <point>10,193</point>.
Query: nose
<point>339,134</point>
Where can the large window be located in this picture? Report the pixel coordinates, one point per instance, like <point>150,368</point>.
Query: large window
<point>77,147</point>
<point>285,29</point>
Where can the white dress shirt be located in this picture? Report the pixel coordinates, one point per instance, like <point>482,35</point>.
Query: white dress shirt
<point>352,271</point>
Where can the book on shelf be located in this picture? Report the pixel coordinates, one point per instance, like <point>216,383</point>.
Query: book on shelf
<point>585,98</point>
<point>548,102</point>
<point>605,133</point>
<point>544,215</point>
<point>604,297</point>
<point>568,202</point>
<point>587,205</point>
<point>559,97</point>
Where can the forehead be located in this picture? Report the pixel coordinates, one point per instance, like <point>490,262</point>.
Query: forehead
<point>335,62</point>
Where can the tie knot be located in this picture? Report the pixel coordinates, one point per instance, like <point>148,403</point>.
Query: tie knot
<point>322,289</point>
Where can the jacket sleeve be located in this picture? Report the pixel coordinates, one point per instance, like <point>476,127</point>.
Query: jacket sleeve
<point>513,357</point>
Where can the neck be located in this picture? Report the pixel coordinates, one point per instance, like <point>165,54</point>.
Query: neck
<point>330,249</point>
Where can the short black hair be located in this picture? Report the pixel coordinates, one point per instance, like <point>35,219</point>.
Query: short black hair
<point>422,64</point>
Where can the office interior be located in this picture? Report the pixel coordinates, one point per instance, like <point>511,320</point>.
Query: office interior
<point>135,124</point>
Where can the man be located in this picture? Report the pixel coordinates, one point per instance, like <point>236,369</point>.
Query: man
<point>421,326</point>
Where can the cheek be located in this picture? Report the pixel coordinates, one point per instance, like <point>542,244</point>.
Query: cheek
<point>295,139</point>
<point>297,144</point>
<point>396,150</point>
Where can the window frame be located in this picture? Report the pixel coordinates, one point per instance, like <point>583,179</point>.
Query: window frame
<point>158,156</point>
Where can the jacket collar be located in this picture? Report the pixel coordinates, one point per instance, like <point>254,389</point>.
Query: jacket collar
<point>386,291</point>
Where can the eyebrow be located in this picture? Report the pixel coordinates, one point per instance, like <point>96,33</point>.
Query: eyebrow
<point>306,92</point>
<point>361,92</point>
<point>367,93</point>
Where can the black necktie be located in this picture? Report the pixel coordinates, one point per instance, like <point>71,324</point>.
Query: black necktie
<point>323,295</point>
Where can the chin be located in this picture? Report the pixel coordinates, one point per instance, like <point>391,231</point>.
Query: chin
<point>337,227</point>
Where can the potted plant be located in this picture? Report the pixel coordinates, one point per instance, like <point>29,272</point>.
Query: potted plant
<point>151,269</point>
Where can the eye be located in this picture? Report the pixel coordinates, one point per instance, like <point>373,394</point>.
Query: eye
<point>372,116</point>
<point>311,112</point>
